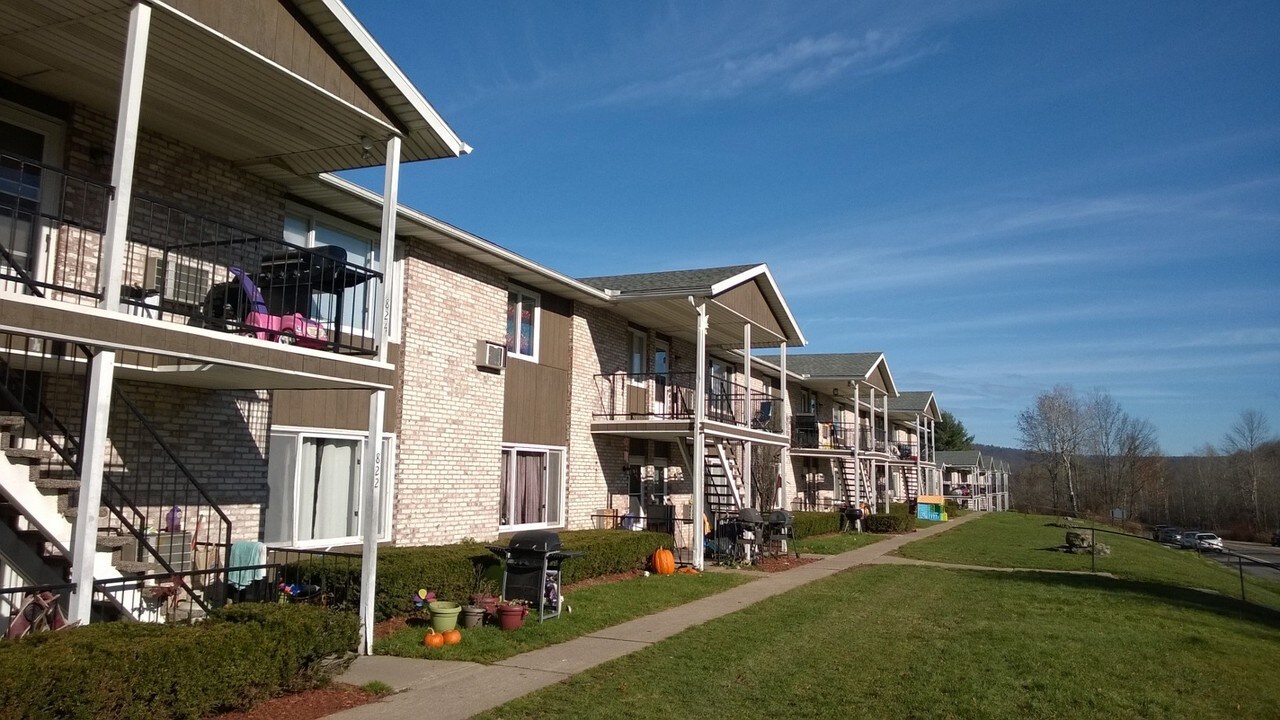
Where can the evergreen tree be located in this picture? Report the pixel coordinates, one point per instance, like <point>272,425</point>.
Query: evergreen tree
<point>951,434</point>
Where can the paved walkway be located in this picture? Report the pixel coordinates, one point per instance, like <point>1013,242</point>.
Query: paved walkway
<point>450,690</point>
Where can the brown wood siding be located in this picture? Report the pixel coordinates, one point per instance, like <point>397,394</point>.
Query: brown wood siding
<point>337,409</point>
<point>748,301</point>
<point>266,27</point>
<point>534,406</point>
<point>555,339</point>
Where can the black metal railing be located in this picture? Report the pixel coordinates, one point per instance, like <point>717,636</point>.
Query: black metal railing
<point>644,396</point>
<point>186,268</point>
<point>51,229</point>
<point>809,433</point>
<point>150,494</point>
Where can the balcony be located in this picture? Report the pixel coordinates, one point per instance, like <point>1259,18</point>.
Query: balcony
<point>179,267</point>
<point>808,433</point>
<point>671,398</point>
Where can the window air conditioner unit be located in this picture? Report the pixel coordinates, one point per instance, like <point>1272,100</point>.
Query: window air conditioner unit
<point>490,355</point>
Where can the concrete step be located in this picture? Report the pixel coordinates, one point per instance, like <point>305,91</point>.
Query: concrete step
<point>10,420</point>
<point>141,567</point>
<point>55,483</point>
<point>109,543</point>
<point>26,455</point>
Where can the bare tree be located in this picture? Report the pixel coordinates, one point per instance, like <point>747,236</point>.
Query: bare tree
<point>1243,442</point>
<point>1104,418</point>
<point>1053,427</point>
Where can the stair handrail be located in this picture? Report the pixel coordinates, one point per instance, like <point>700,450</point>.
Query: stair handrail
<point>73,461</point>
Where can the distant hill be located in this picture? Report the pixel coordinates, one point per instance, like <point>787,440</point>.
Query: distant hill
<point>1017,458</point>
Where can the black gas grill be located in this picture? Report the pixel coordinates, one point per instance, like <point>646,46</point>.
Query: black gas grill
<point>531,571</point>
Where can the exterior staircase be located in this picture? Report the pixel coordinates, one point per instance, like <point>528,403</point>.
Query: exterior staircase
<point>852,481</point>
<point>722,482</point>
<point>911,482</point>
<point>37,514</point>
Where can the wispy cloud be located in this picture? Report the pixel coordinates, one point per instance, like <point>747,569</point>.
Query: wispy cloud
<point>790,66</point>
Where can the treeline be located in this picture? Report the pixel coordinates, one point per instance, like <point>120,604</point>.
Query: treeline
<point>1087,455</point>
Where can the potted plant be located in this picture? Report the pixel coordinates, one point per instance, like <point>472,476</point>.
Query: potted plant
<point>511,614</point>
<point>484,592</point>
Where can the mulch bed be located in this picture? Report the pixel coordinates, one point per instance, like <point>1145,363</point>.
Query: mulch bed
<point>782,563</point>
<point>307,705</point>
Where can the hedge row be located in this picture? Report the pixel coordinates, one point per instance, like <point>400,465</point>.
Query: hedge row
<point>238,656</point>
<point>450,571</point>
<point>953,509</point>
<point>811,523</point>
<point>891,523</point>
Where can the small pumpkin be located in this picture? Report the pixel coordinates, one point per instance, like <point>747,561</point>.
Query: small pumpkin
<point>664,563</point>
<point>433,639</point>
<point>452,637</point>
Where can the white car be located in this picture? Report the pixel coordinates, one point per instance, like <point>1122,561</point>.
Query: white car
<point>1208,541</point>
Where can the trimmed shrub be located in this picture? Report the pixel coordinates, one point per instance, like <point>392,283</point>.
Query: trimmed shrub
<point>810,523</point>
<point>236,657</point>
<point>890,524</point>
<point>449,570</point>
<point>899,509</point>
<point>953,509</point>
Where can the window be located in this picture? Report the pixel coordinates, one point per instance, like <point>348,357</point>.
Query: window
<point>314,481</point>
<point>184,282</point>
<point>637,362</point>
<point>356,304</point>
<point>25,190</point>
<point>522,323</point>
<point>532,488</point>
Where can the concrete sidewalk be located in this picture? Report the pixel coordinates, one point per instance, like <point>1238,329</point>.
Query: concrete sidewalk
<point>457,690</point>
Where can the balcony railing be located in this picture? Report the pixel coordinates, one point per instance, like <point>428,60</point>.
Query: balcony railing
<point>807,432</point>
<point>179,266</point>
<point>671,396</point>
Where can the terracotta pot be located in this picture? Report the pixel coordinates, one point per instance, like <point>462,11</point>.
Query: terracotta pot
<point>511,617</point>
<point>488,602</point>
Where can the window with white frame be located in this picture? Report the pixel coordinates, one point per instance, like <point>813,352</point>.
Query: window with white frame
<point>314,482</point>
<point>638,359</point>
<point>311,229</point>
<point>532,489</point>
<point>523,315</point>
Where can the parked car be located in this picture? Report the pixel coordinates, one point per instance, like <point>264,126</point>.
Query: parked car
<point>1169,535</point>
<point>1208,541</point>
<point>1187,539</point>
<point>1275,538</point>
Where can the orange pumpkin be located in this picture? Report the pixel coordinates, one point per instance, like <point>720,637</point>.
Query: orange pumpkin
<point>664,563</point>
<point>433,639</point>
<point>452,637</point>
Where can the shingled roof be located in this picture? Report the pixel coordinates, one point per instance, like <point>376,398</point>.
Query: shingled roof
<point>911,400</point>
<point>959,458</point>
<point>700,280</point>
<point>828,365</point>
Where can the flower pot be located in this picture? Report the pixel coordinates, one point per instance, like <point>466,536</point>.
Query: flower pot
<point>511,617</point>
<point>472,616</point>
<point>488,602</point>
<point>444,615</point>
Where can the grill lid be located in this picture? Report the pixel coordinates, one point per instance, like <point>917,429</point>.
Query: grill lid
<point>750,515</point>
<point>781,517</point>
<point>541,541</point>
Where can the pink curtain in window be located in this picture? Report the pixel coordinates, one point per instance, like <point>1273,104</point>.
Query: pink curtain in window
<point>528,488</point>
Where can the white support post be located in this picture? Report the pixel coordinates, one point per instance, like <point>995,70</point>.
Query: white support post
<point>123,155</point>
<point>700,439</point>
<point>93,448</point>
<point>93,444</point>
<point>784,462</point>
<point>371,480</point>
<point>884,409</point>
<point>747,469</point>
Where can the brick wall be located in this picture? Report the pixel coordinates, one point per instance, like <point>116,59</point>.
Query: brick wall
<point>601,344</point>
<point>449,456</point>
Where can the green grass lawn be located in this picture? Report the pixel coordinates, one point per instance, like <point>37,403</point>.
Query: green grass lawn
<point>594,608</point>
<point>918,642</point>
<point>1013,540</point>
<point>835,543</point>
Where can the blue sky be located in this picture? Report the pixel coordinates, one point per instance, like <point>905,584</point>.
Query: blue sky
<point>999,196</point>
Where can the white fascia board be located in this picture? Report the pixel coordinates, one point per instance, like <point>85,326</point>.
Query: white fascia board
<point>421,219</point>
<point>759,270</point>
<point>397,77</point>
